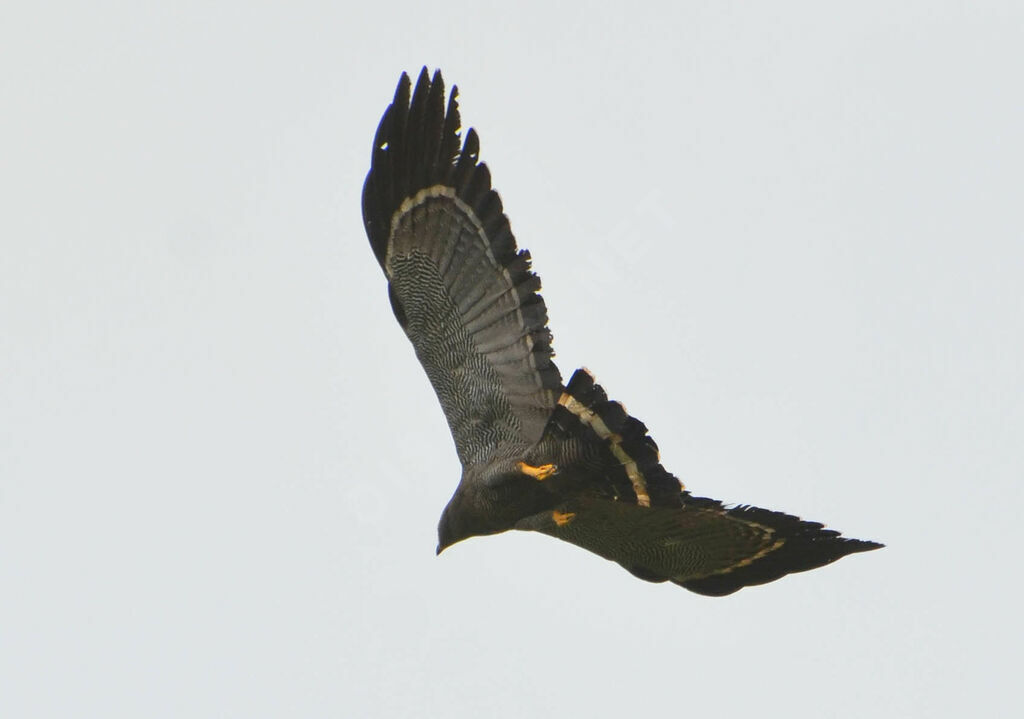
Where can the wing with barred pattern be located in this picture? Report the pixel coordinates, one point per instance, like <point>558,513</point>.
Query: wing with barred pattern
<point>462,292</point>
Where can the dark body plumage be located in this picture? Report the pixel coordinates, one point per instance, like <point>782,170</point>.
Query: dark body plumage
<point>537,455</point>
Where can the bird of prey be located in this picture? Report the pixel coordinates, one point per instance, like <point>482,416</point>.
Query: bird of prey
<point>538,455</point>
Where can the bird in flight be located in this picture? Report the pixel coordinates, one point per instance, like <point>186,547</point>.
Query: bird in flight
<point>538,455</point>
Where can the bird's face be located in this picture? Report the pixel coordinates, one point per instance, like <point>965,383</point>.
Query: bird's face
<point>488,502</point>
<point>448,530</point>
<point>458,522</point>
<point>470,512</point>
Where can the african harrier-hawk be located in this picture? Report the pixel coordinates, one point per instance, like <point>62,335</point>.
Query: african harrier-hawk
<point>537,455</point>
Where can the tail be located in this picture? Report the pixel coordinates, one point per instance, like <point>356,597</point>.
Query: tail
<point>632,468</point>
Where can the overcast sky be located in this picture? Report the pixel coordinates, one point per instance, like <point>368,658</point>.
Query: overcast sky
<point>788,236</point>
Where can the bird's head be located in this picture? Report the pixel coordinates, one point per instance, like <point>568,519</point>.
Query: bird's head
<point>489,500</point>
<point>448,530</point>
<point>457,523</point>
<point>467,516</point>
<point>477,508</point>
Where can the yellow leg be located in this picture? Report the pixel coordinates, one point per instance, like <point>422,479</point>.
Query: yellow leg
<point>562,518</point>
<point>539,473</point>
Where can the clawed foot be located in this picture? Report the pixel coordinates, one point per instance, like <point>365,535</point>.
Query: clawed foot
<point>539,473</point>
<point>562,518</point>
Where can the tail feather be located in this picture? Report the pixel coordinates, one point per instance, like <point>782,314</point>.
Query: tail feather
<point>634,472</point>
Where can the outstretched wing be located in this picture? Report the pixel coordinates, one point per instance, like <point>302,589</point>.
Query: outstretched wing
<point>632,511</point>
<point>462,292</point>
<point>703,546</point>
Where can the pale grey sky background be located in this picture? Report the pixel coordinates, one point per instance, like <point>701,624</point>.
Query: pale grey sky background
<point>788,236</point>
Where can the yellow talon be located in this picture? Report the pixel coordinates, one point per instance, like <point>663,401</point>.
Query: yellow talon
<point>539,473</point>
<point>562,518</point>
